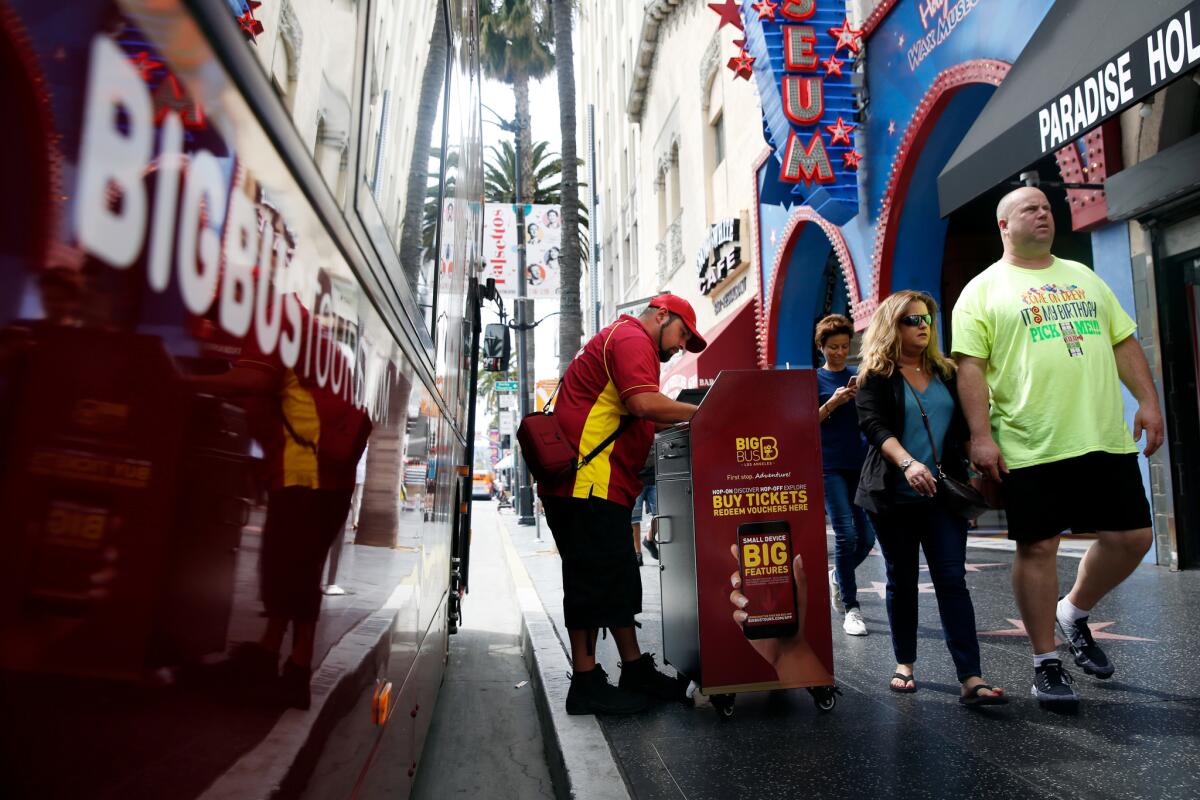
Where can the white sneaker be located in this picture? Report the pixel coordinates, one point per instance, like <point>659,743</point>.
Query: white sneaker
<point>835,592</point>
<point>854,624</point>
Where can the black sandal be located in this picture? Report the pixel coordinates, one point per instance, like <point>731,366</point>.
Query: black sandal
<point>973,698</point>
<point>900,676</point>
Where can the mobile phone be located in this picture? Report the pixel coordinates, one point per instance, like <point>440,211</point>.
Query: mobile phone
<point>765,567</point>
<point>853,381</point>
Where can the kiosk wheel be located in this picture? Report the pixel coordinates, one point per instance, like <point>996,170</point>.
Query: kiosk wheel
<point>722,704</point>
<point>824,697</point>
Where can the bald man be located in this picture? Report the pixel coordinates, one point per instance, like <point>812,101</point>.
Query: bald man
<point>1043,346</point>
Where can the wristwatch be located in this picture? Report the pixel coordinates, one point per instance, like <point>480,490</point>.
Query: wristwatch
<point>905,464</point>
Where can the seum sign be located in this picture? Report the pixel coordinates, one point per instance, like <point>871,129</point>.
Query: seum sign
<point>804,53</point>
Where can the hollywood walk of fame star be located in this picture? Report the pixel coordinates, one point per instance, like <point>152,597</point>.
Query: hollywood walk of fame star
<point>840,131</point>
<point>765,9</point>
<point>973,567</point>
<point>925,588</point>
<point>729,12</point>
<point>833,65</point>
<point>847,36</point>
<point>876,588</point>
<point>1098,632</point>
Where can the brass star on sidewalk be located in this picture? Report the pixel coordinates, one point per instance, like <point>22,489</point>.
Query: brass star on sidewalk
<point>1098,632</point>
<point>973,567</point>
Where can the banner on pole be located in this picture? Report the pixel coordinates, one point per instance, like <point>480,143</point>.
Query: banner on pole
<point>543,242</point>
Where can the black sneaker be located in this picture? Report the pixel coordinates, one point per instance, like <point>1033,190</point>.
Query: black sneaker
<point>1088,655</point>
<point>294,685</point>
<point>591,693</point>
<point>642,676</point>
<point>1052,683</point>
<point>652,547</point>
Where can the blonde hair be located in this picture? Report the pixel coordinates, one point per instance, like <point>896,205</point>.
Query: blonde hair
<point>881,344</point>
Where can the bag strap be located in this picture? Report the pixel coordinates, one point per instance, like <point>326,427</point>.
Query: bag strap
<point>937,462</point>
<point>550,399</point>
<point>300,440</point>
<point>612,437</point>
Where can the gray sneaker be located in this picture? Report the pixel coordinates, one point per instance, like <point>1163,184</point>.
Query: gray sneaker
<point>1052,684</point>
<point>1088,655</point>
<point>835,592</point>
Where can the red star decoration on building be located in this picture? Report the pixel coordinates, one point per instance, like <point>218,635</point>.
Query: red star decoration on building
<point>847,36</point>
<point>145,64</point>
<point>841,131</point>
<point>852,159</point>
<point>729,12</point>
<point>249,25</point>
<point>740,44</point>
<point>833,65</point>
<point>765,9</point>
<point>742,65</point>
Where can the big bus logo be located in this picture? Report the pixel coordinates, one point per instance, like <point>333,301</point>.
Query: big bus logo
<point>756,449</point>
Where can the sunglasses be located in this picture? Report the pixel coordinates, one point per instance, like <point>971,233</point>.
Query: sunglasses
<point>915,320</point>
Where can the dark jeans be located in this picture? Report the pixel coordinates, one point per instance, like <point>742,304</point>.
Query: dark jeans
<point>301,525</point>
<point>852,531</point>
<point>943,537</point>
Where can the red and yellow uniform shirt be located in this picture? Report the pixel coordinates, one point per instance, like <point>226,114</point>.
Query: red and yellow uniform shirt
<point>618,362</point>
<point>305,404</point>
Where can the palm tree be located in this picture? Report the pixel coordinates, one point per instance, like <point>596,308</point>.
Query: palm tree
<point>541,181</point>
<point>570,326</point>
<point>433,84</point>
<point>516,47</point>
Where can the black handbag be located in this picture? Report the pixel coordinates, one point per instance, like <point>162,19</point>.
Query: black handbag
<point>955,496</point>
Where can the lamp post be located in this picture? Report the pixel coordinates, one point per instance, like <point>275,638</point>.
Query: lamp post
<point>522,321</point>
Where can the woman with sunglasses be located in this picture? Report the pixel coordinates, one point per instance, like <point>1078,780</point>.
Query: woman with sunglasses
<point>904,381</point>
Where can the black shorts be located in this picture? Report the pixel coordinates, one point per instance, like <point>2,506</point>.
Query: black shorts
<point>301,525</point>
<point>1092,492</point>
<point>602,586</point>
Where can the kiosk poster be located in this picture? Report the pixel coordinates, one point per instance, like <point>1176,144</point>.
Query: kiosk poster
<point>760,525</point>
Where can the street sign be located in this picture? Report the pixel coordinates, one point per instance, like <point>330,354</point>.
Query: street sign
<point>507,402</point>
<point>506,386</point>
<point>507,423</point>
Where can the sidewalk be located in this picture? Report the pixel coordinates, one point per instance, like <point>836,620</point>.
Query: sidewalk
<point>1137,735</point>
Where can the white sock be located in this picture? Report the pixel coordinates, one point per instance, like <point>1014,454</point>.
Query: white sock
<point>1039,658</point>
<point>1069,613</point>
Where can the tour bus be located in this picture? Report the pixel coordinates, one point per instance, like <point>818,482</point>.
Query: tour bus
<point>237,263</point>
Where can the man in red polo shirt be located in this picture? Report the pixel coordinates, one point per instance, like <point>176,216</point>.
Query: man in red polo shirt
<point>613,378</point>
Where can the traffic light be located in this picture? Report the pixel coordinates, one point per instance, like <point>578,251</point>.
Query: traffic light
<point>495,349</point>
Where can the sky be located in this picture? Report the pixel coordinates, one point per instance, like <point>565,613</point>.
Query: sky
<point>543,115</point>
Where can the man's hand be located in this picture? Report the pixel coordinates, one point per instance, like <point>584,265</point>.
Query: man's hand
<point>1149,419</point>
<point>791,657</point>
<point>986,458</point>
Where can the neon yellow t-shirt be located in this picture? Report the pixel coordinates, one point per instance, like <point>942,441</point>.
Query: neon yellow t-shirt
<point>1048,337</point>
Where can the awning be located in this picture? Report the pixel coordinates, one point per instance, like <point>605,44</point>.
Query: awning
<point>1089,60</point>
<point>730,346</point>
<point>504,463</point>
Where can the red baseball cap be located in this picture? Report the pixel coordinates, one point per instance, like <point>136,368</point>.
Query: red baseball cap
<point>682,309</point>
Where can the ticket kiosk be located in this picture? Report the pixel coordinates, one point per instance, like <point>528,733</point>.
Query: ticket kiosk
<point>740,491</point>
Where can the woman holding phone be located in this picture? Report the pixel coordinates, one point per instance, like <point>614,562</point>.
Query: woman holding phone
<point>842,454</point>
<point>909,410</point>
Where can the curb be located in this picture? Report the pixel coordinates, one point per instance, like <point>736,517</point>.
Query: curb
<point>581,762</point>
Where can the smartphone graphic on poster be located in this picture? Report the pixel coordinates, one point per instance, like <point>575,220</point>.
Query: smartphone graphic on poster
<point>765,567</point>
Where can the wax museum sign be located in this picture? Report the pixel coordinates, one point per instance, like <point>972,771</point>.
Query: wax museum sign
<point>802,55</point>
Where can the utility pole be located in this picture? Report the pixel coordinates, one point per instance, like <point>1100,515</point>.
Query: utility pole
<point>522,316</point>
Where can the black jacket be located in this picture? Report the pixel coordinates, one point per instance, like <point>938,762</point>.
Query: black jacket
<point>880,401</point>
